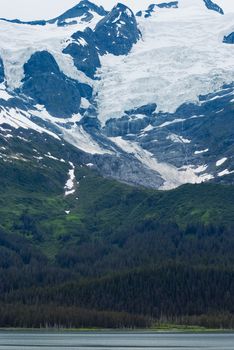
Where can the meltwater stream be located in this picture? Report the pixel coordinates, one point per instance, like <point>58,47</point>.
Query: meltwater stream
<point>114,340</point>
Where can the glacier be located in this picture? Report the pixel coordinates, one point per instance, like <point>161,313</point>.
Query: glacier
<point>180,56</point>
<point>147,99</point>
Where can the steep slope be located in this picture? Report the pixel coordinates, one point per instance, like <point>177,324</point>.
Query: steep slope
<point>78,249</point>
<point>143,95</point>
<point>148,98</point>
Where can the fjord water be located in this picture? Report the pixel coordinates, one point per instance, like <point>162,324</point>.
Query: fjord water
<point>116,340</point>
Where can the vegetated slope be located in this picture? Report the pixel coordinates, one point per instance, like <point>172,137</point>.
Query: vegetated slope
<point>77,249</point>
<point>111,255</point>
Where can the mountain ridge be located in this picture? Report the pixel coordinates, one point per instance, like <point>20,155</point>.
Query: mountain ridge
<point>90,104</point>
<point>78,99</point>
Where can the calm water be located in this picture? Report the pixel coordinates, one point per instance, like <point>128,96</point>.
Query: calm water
<point>121,341</point>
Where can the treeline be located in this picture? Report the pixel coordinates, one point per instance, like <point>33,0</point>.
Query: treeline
<point>122,257</point>
<point>150,242</point>
<point>171,292</point>
<point>157,271</point>
<point>51,316</point>
<point>215,320</point>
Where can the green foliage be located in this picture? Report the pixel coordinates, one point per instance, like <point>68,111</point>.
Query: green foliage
<point>113,248</point>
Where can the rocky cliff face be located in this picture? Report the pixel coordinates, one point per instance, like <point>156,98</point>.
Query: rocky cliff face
<point>2,75</point>
<point>229,39</point>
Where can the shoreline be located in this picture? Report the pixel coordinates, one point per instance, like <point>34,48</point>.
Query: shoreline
<point>160,330</point>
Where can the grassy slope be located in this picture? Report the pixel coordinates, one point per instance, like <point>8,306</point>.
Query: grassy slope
<point>103,206</point>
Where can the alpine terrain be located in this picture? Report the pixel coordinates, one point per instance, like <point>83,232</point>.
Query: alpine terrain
<point>117,165</point>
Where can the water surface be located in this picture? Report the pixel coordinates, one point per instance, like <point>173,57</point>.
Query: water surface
<point>114,340</point>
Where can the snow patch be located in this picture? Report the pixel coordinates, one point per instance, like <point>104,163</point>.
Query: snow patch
<point>225,172</point>
<point>175,121</point>
<point>79,138</point>
<point>4,94</point>
<point>70,184</point>
<point>221,161</point>
<point>21,119</point>
<point>172,176</point>
<point>177,138</point>
<point>202,151</point>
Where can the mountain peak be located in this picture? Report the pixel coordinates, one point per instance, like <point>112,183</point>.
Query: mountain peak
<point>118,31</point>
<point>84,9</point>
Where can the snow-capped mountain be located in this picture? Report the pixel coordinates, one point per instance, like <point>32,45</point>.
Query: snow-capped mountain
<point>145,94</point>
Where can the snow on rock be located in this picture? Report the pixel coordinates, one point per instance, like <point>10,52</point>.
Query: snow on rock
<point>75,135</point>
<point>181,56</point>
<point>226,5</point>
<point>177,138</point>
<point>70,184</point>
<point>202,151</point>
<point>21,119</point>
<point>4,95</point>
<point>78,137</point>
<point>221,161</point>
<point>225,172</point>
<point>178,120</point>
<point>49,155</point>
<point>16,50</point>
<point>172,176</point>
<point>84,103</point>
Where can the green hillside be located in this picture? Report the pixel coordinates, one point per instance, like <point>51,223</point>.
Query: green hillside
<point>110,254</point>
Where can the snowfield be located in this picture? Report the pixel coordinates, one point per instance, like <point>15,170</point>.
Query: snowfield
<point>180,56</point>
<point>19,42</point>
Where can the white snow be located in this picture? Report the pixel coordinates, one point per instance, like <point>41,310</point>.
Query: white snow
<point>48,155</point>
<point>70,184</point>
<point>42,113</point>
<point>202,151</point>
<point>19,42</point>
<point>36,9</point>
<point>225,172</point>
<point>129,13</point>
<point>84,103</point>
<point>226,5</point>
<point>221,161</point>
<point>79,138</point>
<point>172,176</point>
<point>22,138</point>
<point>177,138</point>
<point>4,94</point>
<point>148,128</point>
<point>76,135</point>
<point>175,121</point>
<point>21,119</point>
<point>180,56</point>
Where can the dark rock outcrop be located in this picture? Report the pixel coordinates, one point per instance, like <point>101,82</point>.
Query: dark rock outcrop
<point>229,39</point>
<point>117,32</point>
<point>83,10</point>
<point>214,7</point>
<point>47,85</point>
<point>2,74</point>
<point>84,52</point>
<point>148,13</point>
